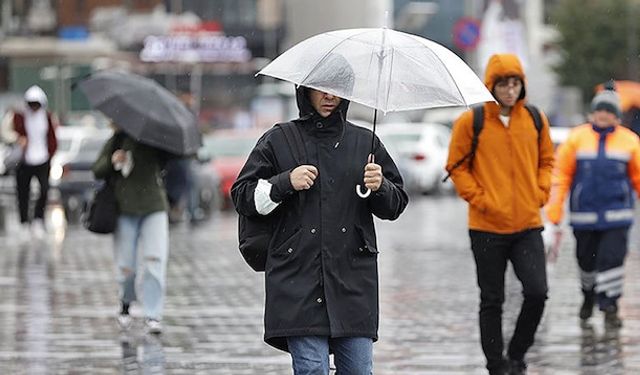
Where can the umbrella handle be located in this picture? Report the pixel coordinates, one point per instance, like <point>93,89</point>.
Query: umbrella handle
<point>360,193</point>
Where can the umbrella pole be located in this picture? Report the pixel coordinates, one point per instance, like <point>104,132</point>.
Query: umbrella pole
<point>373,136</point>
<point>373,141</point>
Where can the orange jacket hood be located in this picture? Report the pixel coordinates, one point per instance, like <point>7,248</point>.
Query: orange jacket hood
<point>504,65</point>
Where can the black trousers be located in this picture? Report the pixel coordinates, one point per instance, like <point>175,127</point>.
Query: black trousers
<point>600,255</point>
<point>491,251</point>
<point>24,174</point>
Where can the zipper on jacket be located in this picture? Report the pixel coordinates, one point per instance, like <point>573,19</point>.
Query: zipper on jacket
<point>512,172</point>
<point>600,160</point>
<point>576,196</point>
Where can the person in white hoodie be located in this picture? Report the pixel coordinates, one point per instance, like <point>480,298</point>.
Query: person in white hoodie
<point>33,128</point>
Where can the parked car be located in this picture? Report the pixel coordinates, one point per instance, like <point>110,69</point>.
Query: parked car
<point>420,150</point>
<point>70,144</point>
<point>228,151</point>
<point>74,179</point>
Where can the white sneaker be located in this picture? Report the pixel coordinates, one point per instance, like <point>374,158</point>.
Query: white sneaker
<point>24,233</point>
<point>153,326</point>
<point>38,230</point>
<point>124,321</point>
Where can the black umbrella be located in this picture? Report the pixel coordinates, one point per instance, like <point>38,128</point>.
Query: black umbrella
<point>143,109</point>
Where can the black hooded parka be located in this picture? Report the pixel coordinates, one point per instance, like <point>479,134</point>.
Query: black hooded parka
<point>321,275</point>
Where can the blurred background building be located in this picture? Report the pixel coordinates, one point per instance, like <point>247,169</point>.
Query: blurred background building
<point>210,50</point>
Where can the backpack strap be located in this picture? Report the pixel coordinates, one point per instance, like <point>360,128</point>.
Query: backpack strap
<point>478,123</point>
<point>537,118</point>
<point>294,140</point>
<point>298,150</point>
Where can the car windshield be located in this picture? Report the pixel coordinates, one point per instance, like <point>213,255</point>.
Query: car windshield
<point>228,147</point>
<point>89,149</point>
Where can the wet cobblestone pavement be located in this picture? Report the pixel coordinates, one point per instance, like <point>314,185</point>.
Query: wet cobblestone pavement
<point>58,303</point>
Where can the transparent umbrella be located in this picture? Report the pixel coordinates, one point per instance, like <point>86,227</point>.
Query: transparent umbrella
<point>381,68</point>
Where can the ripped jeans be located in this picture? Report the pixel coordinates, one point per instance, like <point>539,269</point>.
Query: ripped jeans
<point>149,235</point>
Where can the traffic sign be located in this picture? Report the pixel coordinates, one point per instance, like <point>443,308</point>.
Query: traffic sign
<point>466,33</point>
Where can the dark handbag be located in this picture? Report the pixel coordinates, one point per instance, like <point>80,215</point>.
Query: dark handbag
<point>255,232</point>
<point>101,212</point>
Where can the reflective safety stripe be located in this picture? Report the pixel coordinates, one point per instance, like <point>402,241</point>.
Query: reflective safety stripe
<point>586,155</point>
<point>588,279</point>
<point>610,274</point>
<point>618,215</point>
<point>610,282</point>
<point>584,217</point>
<point>262,198</point>
<point>618,155</point>
<point>611,285</point>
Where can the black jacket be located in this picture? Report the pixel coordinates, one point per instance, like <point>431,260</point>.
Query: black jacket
<point>321,275</point>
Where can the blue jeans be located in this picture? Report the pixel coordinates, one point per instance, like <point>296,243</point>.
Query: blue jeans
<point>310,355</point>
<point>148,234</point>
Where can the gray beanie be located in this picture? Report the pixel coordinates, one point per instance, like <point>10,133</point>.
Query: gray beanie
<point>607,100</point>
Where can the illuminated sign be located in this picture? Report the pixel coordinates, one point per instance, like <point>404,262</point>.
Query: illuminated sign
<point>196,47</point>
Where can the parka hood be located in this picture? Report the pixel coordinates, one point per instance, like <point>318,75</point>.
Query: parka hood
<point>334,73</point>
<point>36,94</point>
<point>504,65</point>
<point>307,112</point>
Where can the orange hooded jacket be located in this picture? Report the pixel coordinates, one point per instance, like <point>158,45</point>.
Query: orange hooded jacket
<point>511,175</point>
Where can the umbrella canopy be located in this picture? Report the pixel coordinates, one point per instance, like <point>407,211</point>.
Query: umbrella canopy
<point>386,70</point>
<point>143,109</point>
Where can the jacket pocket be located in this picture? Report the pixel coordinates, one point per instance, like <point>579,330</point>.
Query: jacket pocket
<point>366,242</point>
<point>364,253</point>
<point>289,246</point>
<point>494,212</point>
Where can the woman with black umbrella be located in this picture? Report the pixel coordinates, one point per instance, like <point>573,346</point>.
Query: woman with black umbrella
<point>134,169</point>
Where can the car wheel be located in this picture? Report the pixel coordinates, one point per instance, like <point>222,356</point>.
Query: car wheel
<point>206,203</point>
<point>435,188</point>
<point>72,210</point>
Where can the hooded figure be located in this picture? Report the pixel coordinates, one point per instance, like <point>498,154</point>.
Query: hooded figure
<point>321,275</point>
<point>506,187</point>
<point>34,130</point>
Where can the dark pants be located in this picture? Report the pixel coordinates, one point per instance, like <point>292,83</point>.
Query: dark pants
<point>24,174</point>
<point>525,250</point>
<point>601,258</point>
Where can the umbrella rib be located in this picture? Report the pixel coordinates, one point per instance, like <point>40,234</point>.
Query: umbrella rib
<point>453,79</point>
<point>386,104</point>
<point>331,50</point>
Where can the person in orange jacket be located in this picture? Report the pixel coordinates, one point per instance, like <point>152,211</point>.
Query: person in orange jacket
<point>506,183</point>
<point>600,164</point>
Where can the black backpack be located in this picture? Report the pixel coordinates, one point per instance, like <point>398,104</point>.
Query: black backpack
<point>255,232</point>
<point>478,124</point>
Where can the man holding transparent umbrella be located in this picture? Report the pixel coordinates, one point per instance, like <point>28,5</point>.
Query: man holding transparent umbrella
<point>321,275</point>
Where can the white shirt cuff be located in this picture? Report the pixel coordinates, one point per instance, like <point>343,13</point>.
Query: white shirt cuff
<point>262,198</point>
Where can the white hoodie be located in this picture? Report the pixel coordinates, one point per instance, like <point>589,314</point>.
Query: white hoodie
<point>36,125</point>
